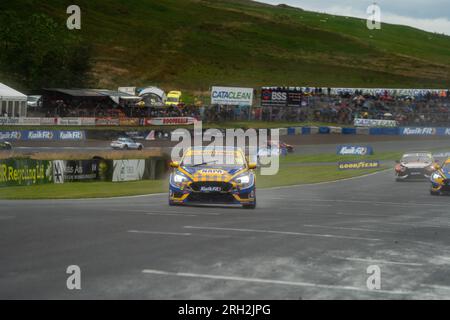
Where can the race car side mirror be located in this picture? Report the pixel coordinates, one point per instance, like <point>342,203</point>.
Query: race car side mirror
<point>175,164</point>
<point>252,165</point>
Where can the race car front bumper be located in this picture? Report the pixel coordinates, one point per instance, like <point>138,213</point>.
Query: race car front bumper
<point>211,193</point>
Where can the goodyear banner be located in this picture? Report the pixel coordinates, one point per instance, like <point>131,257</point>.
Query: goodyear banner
<point>25,172</point>
<point>232,96</point>
<point>358,165</point>
<point>354,150</point>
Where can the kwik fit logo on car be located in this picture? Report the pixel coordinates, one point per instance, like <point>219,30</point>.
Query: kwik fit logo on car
<point>354,150</point>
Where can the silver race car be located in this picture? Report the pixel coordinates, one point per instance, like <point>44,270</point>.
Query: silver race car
<point>415,165</point>
<point>4,145</point>
<point>126,144</point>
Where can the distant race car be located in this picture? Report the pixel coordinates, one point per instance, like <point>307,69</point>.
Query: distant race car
<point>416,165</point>
<point>440,180</point>
<point>213,182</point>
<point>126,144</point>
<point>4,145</point>
<point>275,148</point>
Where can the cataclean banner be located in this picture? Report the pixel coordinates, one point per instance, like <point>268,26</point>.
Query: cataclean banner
<point>232,96</point>
<point>25,172</point>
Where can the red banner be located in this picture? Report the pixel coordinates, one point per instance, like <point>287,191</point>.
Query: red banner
<point>170,121</point>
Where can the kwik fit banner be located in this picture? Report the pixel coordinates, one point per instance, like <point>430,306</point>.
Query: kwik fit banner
<point>354,150</point>
<point>25,172</point>
<point>42,135</point>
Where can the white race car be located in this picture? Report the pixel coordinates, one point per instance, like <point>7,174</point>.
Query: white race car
<point>5,145</point>
<point>126,144</point>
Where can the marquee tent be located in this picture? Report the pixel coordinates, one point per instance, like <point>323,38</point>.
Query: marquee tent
<point>12,102</point>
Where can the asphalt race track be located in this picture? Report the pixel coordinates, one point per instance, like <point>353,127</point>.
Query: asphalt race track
<point>305,242</point>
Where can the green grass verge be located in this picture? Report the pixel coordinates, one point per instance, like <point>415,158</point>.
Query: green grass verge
<point>289,175</point>
<point>323,158</point>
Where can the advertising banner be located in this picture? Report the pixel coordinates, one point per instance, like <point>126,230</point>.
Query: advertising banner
<point>354,150</point>
<point>9,121</point>
<point>69,121</point>
<point>71,135</point>
<point>128,170</point>
<point>39,135</point>
<point>81,170</point>
<point>43,135</point>
<point>88,121</point>
<point>170,121</point>
<point>107,122</point>
<point>281,97</point>
<point>374,123</point>
<point>10,135</point>
<point>418,131</point>
<point>232,96</point>
<point>358,165</point>
<point>30,121</point>
<point>48,121</point>
<point>25,172</point>
<point>129,122</point>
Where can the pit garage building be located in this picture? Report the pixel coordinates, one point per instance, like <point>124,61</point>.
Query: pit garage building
<point>12,102</point>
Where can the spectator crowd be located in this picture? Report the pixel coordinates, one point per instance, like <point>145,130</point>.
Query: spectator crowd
<point>420,107</point>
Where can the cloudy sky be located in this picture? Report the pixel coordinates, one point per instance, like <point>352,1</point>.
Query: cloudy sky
<point>429,15</point>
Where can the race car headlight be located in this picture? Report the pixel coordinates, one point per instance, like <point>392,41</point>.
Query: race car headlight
<point>178,178</point>
<point>244,181</point>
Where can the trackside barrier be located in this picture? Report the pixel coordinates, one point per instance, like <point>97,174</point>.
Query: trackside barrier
<point>348,130</point>
<point>283,131</point>
<point>291,131</point>
<point>336,130</point>
<point>365,131</point>
<point>27,172</point>
<point>384,131</point>
<point>324,130</point>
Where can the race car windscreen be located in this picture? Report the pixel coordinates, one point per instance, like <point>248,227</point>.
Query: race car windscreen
<point>216,157</point>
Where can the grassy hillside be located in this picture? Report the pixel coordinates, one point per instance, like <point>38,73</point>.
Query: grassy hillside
<point>192,44</point>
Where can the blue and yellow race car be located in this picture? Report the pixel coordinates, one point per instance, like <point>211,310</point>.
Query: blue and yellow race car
<point>440,179</point>
<point>218,176</point>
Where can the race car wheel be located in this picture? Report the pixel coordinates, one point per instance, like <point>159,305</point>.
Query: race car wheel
<point>140,148</point>
<point>249,206</point>
<point>435,193</point>
<point>125,147</point>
